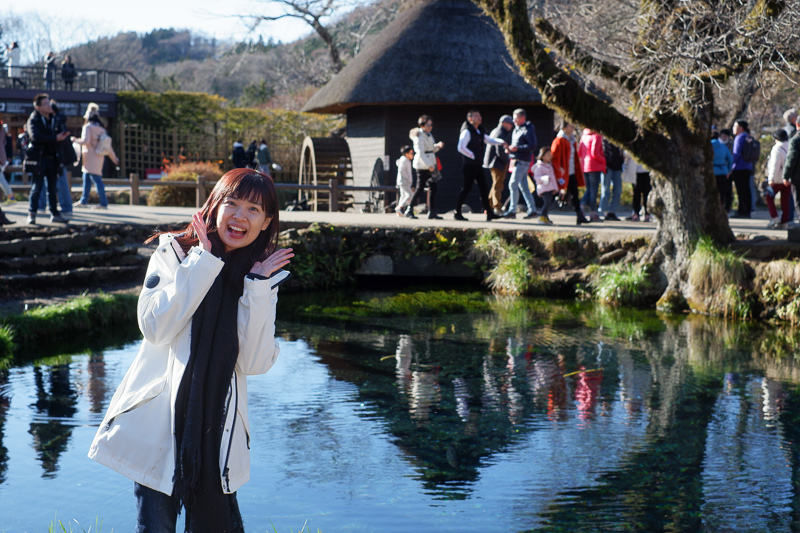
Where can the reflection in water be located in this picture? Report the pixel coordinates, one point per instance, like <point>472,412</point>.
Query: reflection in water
<point>5,403</point>
<point>57,403</point>
<point>538,417</point>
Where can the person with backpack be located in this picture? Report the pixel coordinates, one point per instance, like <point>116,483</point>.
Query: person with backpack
<point>95,146</point>
<point>745,149</point>
<point>611,180</point>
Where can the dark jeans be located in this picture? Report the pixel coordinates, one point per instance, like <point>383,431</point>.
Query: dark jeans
<point>741,178</point>
<point>572,191</point>
<point>724,188</point>
<point>547,200</point>
<point>641,189</point>
<point>155,511</point>
<point>476,174</point>
<point>424,180</point>
<point>48,169</point>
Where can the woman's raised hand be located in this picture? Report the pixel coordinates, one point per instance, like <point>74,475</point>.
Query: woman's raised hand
<point>277,260</point>
<point>200,229</point>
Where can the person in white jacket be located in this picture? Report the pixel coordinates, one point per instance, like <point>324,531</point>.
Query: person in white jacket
<point>177,425</point>
<point>404,178</point>
<point>425,148</point>
<point>775,185</point>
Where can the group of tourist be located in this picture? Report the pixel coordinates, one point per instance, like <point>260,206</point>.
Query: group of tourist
<point>736,155</point>
<point>67,70</point>
<point>50,152</point>
<point>257,156</point>
<point>509,152</point>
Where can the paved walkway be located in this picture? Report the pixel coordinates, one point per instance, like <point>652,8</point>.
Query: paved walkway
<point>563,221</point>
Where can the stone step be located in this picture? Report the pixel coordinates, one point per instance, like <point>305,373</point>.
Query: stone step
<point>85,278</point>
<point>128,255</point>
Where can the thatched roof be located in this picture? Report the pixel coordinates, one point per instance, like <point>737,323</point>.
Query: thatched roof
<point>437,52</point>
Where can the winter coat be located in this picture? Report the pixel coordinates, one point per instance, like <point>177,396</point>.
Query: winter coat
<point>562,149</point>
<point>137,435</point>
<point>43,137</point>
<point>739,162</point>
<point>68,72</point>
<point>545,177</point>
<point>404,175</point>
<point>424,149</point>
<point>791,170</point>
<point>777,160</point>
<point>524,138</point>
<point>723,159</point>
<point>239,156</point>
<point>92,163</point>
<point>496,156</point>
<point>590,152</point>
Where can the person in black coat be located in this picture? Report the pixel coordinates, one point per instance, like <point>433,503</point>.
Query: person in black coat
<point>68,72</point>
<point>239,156</point>
<point>42,157</point>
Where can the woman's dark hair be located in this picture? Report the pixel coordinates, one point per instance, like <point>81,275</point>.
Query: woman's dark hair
<point>244,184</point>
<point>405,149</point>
<point>421,121</point>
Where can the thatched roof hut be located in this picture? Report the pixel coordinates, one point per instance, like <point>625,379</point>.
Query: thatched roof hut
<point>441,58</point>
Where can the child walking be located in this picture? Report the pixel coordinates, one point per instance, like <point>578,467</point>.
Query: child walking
<point>546,185</point>
<point>404,178</point>
<point>177,424</point>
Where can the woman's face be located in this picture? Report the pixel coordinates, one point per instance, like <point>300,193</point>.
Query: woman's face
<point>239,222</point>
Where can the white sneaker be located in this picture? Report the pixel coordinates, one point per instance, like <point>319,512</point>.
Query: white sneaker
<point>773,222</point>
<point>31,219</point>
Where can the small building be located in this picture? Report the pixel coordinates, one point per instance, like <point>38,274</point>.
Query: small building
<point>440,58</point>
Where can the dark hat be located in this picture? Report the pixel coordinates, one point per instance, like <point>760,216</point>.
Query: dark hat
<point>506,118</point>
<point>781,135</point>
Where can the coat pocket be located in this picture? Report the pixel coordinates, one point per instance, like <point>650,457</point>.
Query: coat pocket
<point>135,399</point>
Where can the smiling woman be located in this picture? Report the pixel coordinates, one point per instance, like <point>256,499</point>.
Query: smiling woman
<point>207,314</point>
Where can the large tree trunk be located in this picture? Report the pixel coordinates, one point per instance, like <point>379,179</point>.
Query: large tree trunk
<point>687,207</point>
<point>674,144</point>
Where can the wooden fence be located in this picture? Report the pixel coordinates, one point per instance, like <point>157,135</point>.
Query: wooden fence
<point>201,187</point>
<point>145,151</point>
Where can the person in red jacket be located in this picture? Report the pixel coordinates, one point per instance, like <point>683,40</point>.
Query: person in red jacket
<point>567,167</point>
<point>593,164</point>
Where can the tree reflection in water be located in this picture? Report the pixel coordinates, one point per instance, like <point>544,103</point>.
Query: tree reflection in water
<point>465,389</point>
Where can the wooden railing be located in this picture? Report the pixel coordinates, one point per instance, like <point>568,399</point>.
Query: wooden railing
<point>333,188</point>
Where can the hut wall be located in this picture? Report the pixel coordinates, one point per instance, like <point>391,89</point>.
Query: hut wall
<point>366,127</point>
<point>373,131</point>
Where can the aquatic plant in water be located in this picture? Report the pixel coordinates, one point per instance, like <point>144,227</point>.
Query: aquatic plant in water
<point>625,284</point>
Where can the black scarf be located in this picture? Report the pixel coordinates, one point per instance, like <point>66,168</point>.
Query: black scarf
<point>200,405</point>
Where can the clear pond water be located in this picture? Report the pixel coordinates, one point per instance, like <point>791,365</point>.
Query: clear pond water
<point>537,416</point>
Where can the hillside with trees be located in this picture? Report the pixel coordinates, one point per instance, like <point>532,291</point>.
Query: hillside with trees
<point>248,73</point>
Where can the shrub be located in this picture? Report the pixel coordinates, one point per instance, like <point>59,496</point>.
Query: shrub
<point>165,195</point>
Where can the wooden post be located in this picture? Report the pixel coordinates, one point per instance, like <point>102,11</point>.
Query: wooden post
<point>333,204</point>
<point>201,191</point>
<point>134,188</point>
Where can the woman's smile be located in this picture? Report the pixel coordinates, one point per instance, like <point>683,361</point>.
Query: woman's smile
<point>239,222</point>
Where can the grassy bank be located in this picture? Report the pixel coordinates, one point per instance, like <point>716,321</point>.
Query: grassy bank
<point>53,328</point>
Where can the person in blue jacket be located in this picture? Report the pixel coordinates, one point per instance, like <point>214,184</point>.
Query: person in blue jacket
<point>723,161</point>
